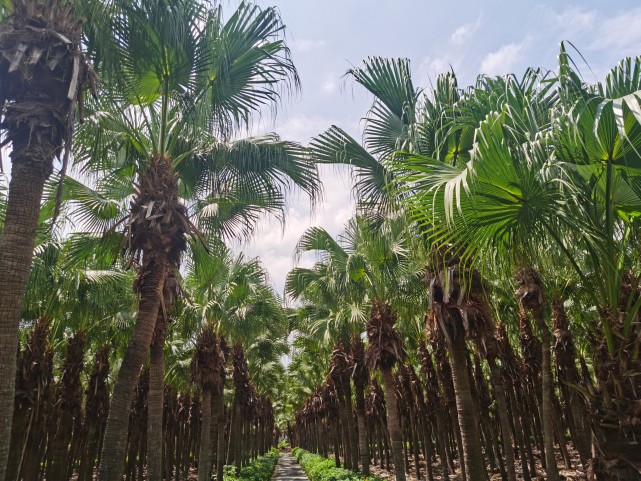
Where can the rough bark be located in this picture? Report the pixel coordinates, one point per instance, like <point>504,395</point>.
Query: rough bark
<point>204,455</point>
<point>156,400</point>
<point>506,437</point>
<point>95,414</point>
<point>393,424</point>
<point>114,445</point>
<point>28,176</point>
<point>468,421</point>
<point>69,408</point>
<point>551,468</point>
<point>220,465</point>
<point>38,98</point>
<point>362,430</point>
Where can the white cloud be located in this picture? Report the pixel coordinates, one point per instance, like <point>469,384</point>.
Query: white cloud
<point>572,22</point>
<point>464,32</point>
<point>620,33</point>
<point>301,128</point>
<point>504,60</point>
<point>275,246</point>
<point>431,67</point>
<point>306,44</point>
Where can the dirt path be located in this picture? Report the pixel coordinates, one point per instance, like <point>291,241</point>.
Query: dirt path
<point>288,469</point>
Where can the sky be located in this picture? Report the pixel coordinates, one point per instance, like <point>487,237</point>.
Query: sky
<point>472,37</point>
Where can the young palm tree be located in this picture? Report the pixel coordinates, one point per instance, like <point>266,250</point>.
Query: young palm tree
<point>42,76</point>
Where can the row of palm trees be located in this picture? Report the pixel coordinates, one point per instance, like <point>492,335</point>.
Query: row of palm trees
<point>514,184</point>
<point>59,425</point>
<point>525,185</point>
<point>151,174</point>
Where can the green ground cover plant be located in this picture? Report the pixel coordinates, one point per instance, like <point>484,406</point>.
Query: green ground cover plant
<point>320,468</point>
<point>260,470</point>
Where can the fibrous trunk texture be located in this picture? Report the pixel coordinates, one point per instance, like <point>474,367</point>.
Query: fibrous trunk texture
<point>42,73</point>
<point>394,424</point>
<point>156,400</point>
<point>156,233</point>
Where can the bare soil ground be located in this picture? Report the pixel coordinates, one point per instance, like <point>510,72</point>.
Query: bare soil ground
<point>574,473</point>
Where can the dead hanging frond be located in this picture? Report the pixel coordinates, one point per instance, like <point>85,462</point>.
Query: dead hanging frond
<point>158,221</point>
<point>530,291</point>
<point>338,367</point>
<point>385,345</point>
<point>205,364</point>
<point>240,375</point>
<point>375,405</point>
<point>359,371</point>
<point>43,77</point>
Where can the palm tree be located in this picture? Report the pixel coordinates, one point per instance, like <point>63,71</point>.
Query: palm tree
<point>371,268</point>
<point>231,294</point>
<point>392,123</point>
<point>548,186</point>
<point>333,313</point>
<point>206,366</point>
<point>529,98</point>
<point>64,294</point>
<point>401,119</point>
<point>42,78</point>
<point>179,82</point>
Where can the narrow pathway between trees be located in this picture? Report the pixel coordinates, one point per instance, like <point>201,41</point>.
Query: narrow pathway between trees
<point>288,469</point>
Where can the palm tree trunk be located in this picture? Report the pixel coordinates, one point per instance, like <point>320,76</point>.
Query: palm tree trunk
<point>156,400</point>
<point>362,430</point>
<point>213,433</point>
<point>69,402</point>
<point>467,418</point>
<point>236,435</point>
<point>43,397</point>
<point>204,455</point>
<point>220,465</point>
<point>151,291</point>
<point>506,437</point>
<point>393,424</point>
<point>336,441</point>
<point>28,176</point>
<point>551,469</point>
<point>345,431</point>
<point>351,422</point>
<point>170,433</point>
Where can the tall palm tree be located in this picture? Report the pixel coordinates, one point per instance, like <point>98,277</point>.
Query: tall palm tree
<point>180,80</point>
<point>392,123</point>
<point>231,295</point>
<point>373,266</point>
<point>43,74</point>
<point>401,119</point>
<point>524,105</point>
<point>552,182</point>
